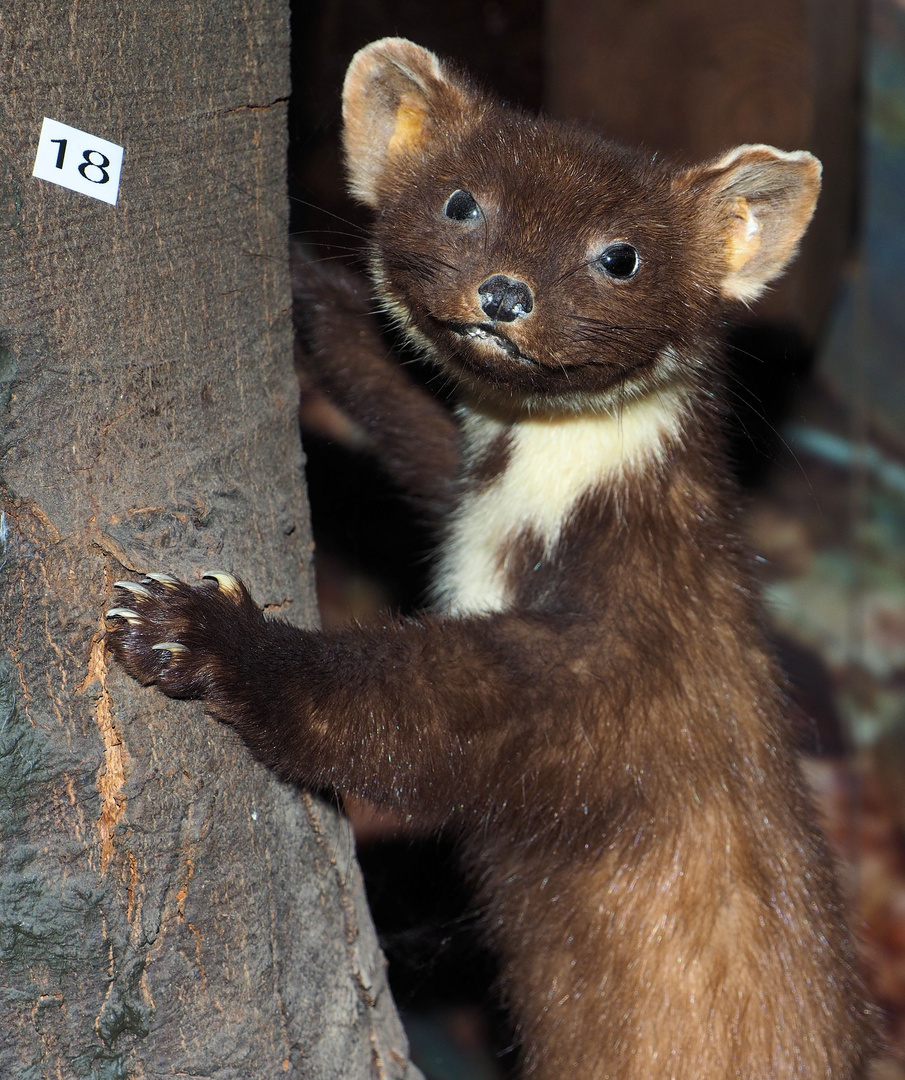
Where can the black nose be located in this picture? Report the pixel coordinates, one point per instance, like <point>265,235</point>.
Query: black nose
<point>505,300</point>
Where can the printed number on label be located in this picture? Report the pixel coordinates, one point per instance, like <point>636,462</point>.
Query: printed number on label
<point>79,161</point>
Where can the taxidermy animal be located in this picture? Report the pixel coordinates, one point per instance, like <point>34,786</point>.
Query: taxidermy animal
<point>589,704</point>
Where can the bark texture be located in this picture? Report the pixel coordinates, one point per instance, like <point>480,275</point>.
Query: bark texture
<point>166,907</point>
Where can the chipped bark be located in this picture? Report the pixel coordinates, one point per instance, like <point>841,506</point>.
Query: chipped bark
<point>166,907</point>
<point>111,776</point>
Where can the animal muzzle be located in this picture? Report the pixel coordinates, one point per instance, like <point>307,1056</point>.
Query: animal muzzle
<point>504,300</point>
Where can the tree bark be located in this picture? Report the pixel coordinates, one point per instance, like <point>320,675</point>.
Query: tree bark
<point>166,907</point>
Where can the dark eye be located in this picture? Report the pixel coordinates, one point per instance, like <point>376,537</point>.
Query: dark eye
<point>461,206</point>
<point>619,261</point>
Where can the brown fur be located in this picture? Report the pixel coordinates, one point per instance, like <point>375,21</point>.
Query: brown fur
<point>602,724</point>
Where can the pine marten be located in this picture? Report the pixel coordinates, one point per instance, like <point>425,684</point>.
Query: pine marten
<point>589,703</point>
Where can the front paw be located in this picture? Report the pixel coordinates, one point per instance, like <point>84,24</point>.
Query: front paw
<point>192,641</point>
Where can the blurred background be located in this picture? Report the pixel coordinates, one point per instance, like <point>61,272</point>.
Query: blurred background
<point>818,414</point>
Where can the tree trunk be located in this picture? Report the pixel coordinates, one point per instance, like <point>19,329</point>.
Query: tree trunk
<point>166,907</point>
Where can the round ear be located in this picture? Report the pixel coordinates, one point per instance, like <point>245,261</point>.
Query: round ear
<point>760,200</point>
<point>396,98</point>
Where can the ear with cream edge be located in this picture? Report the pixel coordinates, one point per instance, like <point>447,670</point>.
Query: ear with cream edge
<point>395,98</point>
<point>760,201</point>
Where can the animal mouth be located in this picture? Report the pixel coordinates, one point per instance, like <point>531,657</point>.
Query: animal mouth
<point>488,332</point>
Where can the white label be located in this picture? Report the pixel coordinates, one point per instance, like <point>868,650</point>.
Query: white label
<point>74,159</point>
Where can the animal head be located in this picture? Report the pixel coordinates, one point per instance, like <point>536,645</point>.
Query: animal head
<point>538,261</point>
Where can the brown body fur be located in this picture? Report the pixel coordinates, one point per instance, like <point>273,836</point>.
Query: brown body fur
<point>600,719</point>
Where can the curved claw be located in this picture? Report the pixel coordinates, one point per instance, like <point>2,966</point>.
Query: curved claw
<point>167,580</point>
<point>225,581</point>
<point>170,647</point>
<point>131,617</point>
<point>134,587</point>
